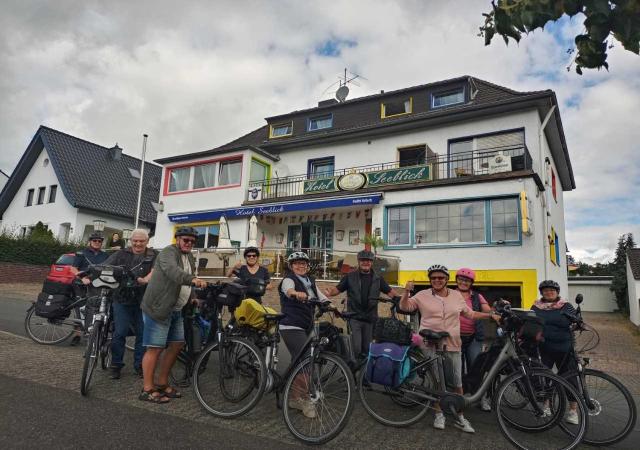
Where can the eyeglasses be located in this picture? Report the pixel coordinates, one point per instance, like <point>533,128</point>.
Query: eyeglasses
<point>252,256</point>
<point>438,278</point>
<point>96,240</point>
<point>464,280</point>
<point>188,241</point>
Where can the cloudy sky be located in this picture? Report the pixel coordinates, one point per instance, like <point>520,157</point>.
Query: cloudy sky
<point>194,75</point>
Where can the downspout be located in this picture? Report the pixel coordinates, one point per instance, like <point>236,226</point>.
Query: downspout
<point>545,207</point>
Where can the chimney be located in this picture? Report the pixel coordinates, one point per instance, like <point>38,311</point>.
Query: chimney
<point>115,152</point>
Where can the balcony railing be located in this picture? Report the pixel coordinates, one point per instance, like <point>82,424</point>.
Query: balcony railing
<point>480,162</point>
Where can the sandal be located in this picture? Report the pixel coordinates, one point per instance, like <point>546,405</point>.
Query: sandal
<point>147,396</point>
<point>169,391</point>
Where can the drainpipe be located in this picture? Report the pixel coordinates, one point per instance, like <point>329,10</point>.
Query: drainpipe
<point>545,206</point>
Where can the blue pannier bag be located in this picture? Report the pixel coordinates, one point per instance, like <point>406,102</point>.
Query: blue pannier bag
<point>388,364</point>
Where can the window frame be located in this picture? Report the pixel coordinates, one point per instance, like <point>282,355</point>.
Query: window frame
<point>311,164</point>
<point>272,127</point>
<point>265,164</point>
<point>30,195</point>
<point>191,165</point>
<point>387,227</point>
<point>383,112</point>
<point>422,147</point>
<point>53,191</point>
<point>42,190</point>
<point>219,173</point>
<point>207,224</point>
<point>446,92</point>
<point>321,116</point>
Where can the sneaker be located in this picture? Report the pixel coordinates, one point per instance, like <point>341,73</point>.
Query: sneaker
<point>115,373</point>
<point>307,408</point>
<point>485,404</point>
<point>546,412</point>
<point>572,417</point>
<point>438,422</point>
<point>464,425</point>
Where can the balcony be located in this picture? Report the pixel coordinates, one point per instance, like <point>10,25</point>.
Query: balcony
<point>492,162</point>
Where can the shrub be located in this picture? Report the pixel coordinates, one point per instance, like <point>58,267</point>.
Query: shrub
<point>39,248</point>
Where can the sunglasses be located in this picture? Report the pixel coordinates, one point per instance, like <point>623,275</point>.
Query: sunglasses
<point>96,240</point>
<point>188,241</point>
<point>438,278</point>
<point>252,256</point>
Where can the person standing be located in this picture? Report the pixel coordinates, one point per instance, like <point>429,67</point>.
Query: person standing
<point>252,274</point>
<point>116,242</point>
<point>168,291</point>
<point>363,288</point>
<point>126,300</point>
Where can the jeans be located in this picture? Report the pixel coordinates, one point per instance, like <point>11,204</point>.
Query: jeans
<point>159,334</point>
<point>126,317</point>
<point>361,336</point>
<point>470,352</point>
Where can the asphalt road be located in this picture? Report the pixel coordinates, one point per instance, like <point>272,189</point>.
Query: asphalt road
<point>12,314</point>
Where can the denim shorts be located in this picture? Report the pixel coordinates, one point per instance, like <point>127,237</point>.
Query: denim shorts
<point>159,334</point>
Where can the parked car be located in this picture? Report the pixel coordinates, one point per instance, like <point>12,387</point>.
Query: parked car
<point>61,269</point>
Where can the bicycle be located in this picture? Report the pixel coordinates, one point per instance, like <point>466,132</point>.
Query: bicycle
<point>332,398</point>
<point>520,403</point>
<point>610,406</point>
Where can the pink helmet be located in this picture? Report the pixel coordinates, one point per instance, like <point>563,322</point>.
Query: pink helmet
<point>467,273</point>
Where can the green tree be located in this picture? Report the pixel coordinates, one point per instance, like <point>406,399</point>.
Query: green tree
<point>374,241</point>
<point>619,271</point>
<point>602,19</point>
<point>41,233</point>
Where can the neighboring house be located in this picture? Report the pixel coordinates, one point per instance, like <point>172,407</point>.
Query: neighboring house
<point>460,172</point>
<point>598,297</point>
<point>67,183</point>
<point>3,179</point>
<point>633,284</point>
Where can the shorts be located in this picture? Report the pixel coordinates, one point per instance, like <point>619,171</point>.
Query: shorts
<point>159,334</point>
<point>452,366</point>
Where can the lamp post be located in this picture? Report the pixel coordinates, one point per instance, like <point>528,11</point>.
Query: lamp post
<point>98,225</point>
<point>126,235</point>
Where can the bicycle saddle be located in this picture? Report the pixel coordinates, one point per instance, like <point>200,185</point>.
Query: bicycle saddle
<point>274,317</point>
<point>433,335</point>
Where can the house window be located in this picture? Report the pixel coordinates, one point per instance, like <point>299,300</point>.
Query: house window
<point>179,179</point>
<point>399,226</point>
<point>281,130</point>
<point>321,168</point>
<point>53,190</point>
<point>504,220</point>
<point>230,172</point>
<point>207,234</point>
<point>448,98</point>
<point>259,171</point>
<point>30,197</point>
<point>41,191</point>
<point>450,223</point>
<point>473,156</point>
<point>412,156</point>
<point>553,186</point>
<point>460,158</point>
<point>204,176</point>
<point>320,122</point>
<point>396,107</point>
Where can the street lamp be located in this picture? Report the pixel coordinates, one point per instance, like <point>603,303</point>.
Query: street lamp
<point>126,234</point>
<point>98,225</point>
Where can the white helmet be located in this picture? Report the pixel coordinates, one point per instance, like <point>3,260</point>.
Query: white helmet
<point>438,268</point>
<point>298,256</point>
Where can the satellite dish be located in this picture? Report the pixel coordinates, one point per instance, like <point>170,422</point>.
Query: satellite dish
<point>282,171</point>
<point>342,92</point>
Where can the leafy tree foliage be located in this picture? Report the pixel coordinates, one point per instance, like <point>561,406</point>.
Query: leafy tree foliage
<point>603,18</point>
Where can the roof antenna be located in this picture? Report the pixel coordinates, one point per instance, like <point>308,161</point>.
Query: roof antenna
<point>343,80</point>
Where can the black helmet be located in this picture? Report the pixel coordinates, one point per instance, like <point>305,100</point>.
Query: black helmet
<point>366,254</point>
<point>549,284</point>
<point>255,250</point>
<point>186,231</point>
<point>96,235</point>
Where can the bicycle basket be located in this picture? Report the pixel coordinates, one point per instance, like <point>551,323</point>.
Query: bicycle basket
<point>232,295</point>
<point>392,330</point>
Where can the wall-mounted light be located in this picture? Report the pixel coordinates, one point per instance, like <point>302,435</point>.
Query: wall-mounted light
<point>126,233</point>
<point>339,235</point>
<point>378,232</point>
<point>279,238</point>
<point>98,225</point>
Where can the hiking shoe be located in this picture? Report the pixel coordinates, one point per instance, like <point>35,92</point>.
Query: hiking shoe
<point>438,422</point>
<point>572,417</point>
<point>464,425</point>
<point>75,341</point>
<point>485,404</point>
<point>307,408</point>
<point>115,373</point>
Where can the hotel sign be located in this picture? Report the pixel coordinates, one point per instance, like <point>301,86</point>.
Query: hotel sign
<point>398,176</point>
<point>320,185</point>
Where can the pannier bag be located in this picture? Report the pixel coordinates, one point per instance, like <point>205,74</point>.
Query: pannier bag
<point>231,295</point>
<point>392,330</point>
<point>251,313</point>
<point>388,364</point>
<point>56,288</point>
<point>51,306</point>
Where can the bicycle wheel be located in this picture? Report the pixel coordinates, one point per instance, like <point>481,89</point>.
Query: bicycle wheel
<point>402,406</point>
<point>49,331</point>
<point>524,426</point>
<point>105,354</point>
<point>91,357</point>
<point>611,411</point>
<point>332,398</point>
<point>229,385</point>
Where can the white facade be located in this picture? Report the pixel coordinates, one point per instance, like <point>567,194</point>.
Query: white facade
<point>633,287</point>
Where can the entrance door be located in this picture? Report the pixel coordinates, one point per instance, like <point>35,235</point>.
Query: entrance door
<point>310,236</point>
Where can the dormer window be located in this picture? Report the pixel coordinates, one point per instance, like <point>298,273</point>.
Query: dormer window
<point>281,130</point>
<point>447,98</point>
<point>320,122</point>
<point>398,107</point>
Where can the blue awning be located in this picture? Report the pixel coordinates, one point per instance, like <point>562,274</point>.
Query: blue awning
<point>276,208</point>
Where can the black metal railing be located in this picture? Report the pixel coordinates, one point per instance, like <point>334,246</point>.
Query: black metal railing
<point>479,162</point>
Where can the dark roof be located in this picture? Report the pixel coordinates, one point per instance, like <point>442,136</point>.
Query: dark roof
<point>89,177</point>
<point>634,261</point>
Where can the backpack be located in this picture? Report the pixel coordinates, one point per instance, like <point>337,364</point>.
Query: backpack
<point>392,330</point>
<point>251,313</point>
<point>52,306</point>
<point>388,364</point>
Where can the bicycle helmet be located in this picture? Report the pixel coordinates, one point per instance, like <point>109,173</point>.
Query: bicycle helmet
<point>366,254</point>
<point>549,284</point>
<point>438,268</point>
<point>250,250</point>
<point>186,231</point>
<point>96,235</point>
<point>297,256</point>
<point>467,273</point>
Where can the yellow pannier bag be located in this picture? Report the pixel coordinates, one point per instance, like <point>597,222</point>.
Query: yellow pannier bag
<point>251,313</point>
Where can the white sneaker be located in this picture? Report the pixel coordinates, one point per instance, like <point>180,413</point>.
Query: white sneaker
<point>464,425</point>
<point>572,417</point>
<point>438,422</point>
<point>485,404</point>
<point>546,411</point>
<point>307,408</point>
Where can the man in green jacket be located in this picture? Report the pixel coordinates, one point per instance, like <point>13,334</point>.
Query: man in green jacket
<point>168,291</point>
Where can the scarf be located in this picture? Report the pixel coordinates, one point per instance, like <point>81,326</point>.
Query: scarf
<point>558,304</point>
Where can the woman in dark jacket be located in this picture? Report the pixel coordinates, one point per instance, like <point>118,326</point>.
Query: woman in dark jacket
<point>252,274</point>
<point>557,347</point>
